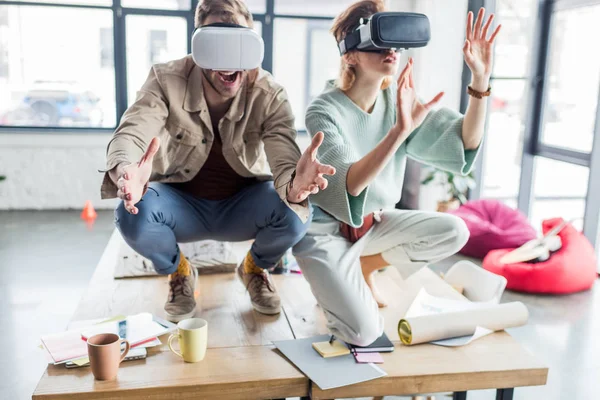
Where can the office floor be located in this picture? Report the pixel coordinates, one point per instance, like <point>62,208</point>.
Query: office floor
<point>47,260</point>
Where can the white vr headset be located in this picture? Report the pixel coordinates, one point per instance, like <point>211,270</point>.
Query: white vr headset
<point>227,47</point>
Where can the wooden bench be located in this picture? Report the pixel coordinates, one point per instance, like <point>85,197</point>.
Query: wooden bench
<point>241,362</point>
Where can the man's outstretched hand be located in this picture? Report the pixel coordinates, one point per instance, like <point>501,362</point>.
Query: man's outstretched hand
<point>309,173</point>
<point>133,178</point>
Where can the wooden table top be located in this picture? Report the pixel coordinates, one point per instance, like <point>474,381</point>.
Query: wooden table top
<point>241,362</point>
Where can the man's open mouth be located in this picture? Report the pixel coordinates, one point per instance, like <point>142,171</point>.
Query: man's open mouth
<point>229,78</point>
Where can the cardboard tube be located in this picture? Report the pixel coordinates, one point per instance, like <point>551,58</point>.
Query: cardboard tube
<point>429,328</point>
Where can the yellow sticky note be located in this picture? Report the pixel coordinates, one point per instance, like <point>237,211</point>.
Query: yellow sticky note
<point>80,362</point>
<point>335,349</point>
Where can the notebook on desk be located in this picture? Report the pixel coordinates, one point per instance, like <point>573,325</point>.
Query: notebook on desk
<point>382,345</point>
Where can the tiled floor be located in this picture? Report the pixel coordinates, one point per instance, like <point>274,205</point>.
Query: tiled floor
<point>47,259</point>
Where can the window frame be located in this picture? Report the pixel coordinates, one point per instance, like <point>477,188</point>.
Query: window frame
<point>119,52</point>
<point>120,14</point>
<point>533,146</point>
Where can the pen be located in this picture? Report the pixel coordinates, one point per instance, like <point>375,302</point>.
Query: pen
<point>331,339</point>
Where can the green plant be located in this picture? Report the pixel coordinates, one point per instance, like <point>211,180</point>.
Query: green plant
<point>2,177</point>
<point>456,185</point>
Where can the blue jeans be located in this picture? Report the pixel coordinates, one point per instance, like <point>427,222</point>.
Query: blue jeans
<point>167,216</point>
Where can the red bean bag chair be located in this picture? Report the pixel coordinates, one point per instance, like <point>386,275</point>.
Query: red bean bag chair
<point>493,225</point>
<point>570,269</point>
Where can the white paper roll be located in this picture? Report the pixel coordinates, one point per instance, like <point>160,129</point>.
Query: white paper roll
<point>427,328</point>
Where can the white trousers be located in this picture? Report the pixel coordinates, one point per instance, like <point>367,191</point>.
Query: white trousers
<point>407,240</point>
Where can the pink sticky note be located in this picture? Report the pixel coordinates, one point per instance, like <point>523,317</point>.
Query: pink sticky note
<point>375,358</point>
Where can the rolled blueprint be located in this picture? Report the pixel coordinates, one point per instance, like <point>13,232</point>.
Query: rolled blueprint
<point>428,328</point>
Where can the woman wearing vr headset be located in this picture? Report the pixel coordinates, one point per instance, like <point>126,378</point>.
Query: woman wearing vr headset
<point>371,125</point>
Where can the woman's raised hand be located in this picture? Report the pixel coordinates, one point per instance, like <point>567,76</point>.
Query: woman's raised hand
<point>410,111</point>
<point>478,49</point>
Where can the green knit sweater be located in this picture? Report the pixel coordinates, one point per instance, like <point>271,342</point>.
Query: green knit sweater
<point>351,133</point>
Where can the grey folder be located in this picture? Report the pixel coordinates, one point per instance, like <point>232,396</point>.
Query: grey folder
<point>327,373</point>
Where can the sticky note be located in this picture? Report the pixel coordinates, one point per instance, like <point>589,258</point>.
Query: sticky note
<point>374,358</point>
<point>335,349</point>
<point>80,362</point>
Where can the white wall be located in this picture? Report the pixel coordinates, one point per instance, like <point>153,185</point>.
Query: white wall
<point>441,62</point>
<point>438,66</point>
<point>52,171</point>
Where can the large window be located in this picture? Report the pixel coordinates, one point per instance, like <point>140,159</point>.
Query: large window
<point>158,4</point>
<point>107,50</point>
<point>3,43</point>
<point>564,137</point>
<point>572,85</point>
<point>559,190</point>
<point>79,63</point>
<point>508,105</point>
<point>53,73</point>
<point>542,150</point>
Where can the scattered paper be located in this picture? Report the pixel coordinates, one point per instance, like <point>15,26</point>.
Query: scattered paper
<point>84,323</point>
<point>65,346</point>
<point>153,343</point>
<point>209,253</point>
<point>426,304</point>
<point>137,329</point>
<point>86,360</point>
<point>207,256</point>
<point>141,330</point>
<point>464,340</point>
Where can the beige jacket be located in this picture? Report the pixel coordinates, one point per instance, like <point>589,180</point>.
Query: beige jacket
<point>258,130</point>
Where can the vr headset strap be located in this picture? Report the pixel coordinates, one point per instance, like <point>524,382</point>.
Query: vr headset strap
<point>219,25</point>
<point>223,25</point>
<point>350,42</point>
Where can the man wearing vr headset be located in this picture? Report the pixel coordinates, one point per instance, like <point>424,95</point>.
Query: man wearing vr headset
<point>212,131</point>
<point>371,125</point>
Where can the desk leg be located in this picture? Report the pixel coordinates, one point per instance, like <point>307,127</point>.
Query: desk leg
<point>505,394</point>
<point>459,396</point>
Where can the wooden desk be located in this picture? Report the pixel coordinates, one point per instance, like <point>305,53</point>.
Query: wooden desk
<point>496,361</point>
<point>241,363</point>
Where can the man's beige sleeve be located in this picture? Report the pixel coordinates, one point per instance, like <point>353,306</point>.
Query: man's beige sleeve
<point>142,121</point>
<point>279,138</point>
